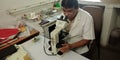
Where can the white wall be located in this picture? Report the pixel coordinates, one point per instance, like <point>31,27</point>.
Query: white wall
<point>7,20</point>
<point>10,4</point>
<point>111,1</point>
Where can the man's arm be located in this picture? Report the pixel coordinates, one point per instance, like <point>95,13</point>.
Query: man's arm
<point>67,47</point>
<point>79,43</point>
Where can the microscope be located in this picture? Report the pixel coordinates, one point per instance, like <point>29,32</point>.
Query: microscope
<point>57,35</point>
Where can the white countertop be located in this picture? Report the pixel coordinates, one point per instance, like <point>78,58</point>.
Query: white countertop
<point>36,51</point>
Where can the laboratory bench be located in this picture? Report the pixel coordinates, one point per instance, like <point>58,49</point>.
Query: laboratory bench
<point>36,51</point>
<point>35,48</point>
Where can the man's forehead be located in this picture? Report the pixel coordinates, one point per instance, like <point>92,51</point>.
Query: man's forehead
<point>68,8</point>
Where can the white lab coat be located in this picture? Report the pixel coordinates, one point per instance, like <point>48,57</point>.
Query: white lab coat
<point>82,28</point>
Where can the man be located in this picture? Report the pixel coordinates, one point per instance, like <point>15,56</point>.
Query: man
<point>80,29</point>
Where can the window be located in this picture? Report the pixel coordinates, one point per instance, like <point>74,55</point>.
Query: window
<point>91,0</point>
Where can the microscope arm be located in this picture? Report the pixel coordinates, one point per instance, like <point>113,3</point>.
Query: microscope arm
<point>54,40</point>
<point>55,35</point>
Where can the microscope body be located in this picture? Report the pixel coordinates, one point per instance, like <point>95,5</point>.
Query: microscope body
<point>60,25</point>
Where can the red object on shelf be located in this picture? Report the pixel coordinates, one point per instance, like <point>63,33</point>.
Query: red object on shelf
<point>7,33</point>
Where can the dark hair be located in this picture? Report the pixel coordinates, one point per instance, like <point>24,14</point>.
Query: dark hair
<point>70,4</point>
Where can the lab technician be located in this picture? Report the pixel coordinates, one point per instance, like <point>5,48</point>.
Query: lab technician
<point>80,28</point>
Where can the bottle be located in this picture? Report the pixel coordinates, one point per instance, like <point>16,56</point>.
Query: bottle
<point>56,4</point>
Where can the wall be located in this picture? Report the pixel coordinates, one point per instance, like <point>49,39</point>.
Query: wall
<point>111,1</point>
<point>118,21</point>
<point>7,20</point>
<point>10,4</point>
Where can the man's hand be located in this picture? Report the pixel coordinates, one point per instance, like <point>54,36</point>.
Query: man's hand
<point>65,48</point>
